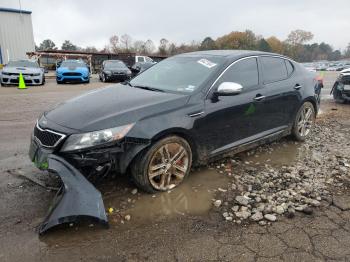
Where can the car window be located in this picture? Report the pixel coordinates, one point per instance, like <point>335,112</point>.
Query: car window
<point>148,59</point>
<point>290,67</point>
<point>244,72</point>
<point>140,59</point>
<point>274,69</point>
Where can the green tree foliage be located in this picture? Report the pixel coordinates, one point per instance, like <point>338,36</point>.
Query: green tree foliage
<point>67,45</point>
<point>263,45</point>
<point>47,44</point>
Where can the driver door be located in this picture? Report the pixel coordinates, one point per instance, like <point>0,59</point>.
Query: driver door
<point>230,120</point>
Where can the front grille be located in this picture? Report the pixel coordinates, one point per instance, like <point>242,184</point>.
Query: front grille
<point>71,74</point>
<point>46,137</point>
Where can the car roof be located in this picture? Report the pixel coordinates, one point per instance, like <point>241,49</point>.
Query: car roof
<point>231,54</point>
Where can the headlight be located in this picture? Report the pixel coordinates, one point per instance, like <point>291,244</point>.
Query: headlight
<point>5,73</point>
<point>36,74</point>
<point>108,72</point>
<point>80,141</point>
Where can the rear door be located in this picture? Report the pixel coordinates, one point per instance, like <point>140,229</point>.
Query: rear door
<point>280,94</point>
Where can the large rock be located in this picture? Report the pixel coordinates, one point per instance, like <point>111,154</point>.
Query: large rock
<point>242,200</point>
<point>342,202</point>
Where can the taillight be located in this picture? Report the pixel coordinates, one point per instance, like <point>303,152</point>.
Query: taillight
<point>319,80</point>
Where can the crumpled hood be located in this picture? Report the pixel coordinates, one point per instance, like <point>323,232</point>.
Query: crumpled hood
<point>113,106</point>
<point>23,70</point>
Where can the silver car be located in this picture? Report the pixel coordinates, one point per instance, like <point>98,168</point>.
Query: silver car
<point>32,73</point>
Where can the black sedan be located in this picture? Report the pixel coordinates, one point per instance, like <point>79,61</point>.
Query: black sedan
<point>114,70</point>
<point>180,112</point>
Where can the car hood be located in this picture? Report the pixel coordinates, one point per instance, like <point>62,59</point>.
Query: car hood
<point>113,106</point>
<point>24,70</point>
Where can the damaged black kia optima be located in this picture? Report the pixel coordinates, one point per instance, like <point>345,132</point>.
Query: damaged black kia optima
<point>181,112</point>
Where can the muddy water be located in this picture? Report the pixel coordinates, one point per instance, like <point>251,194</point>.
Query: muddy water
<point>193,197</point>
<point>279,154</point>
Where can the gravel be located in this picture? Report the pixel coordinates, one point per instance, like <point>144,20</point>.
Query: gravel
<point>262,191</point>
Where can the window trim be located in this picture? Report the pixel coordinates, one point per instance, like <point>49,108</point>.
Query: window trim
<point>280,57</point>
<point>228,67</point>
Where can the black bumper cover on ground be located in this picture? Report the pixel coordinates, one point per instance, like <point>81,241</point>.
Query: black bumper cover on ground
<point>76,198</point>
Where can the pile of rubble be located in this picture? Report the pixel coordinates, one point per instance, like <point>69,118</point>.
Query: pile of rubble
<point>262,193</point>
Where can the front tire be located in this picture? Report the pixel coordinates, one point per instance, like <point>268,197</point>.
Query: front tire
<point>304,122</point>
<point>162,166</point>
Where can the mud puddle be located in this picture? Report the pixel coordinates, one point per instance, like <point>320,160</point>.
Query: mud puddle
<point>277,154</point>
<point>193,197</point>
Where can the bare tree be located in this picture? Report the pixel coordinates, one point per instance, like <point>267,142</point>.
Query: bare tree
<point>163,46</point>
<point>299,37</point>
<point>126,41</point>
<point>113,42</point>
<point>139,46</point>
<point>149,47</point>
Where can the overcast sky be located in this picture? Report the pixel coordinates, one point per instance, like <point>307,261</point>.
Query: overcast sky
<point>91,22</point>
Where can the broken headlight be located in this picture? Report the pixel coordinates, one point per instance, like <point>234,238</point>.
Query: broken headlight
<point>80,141</point>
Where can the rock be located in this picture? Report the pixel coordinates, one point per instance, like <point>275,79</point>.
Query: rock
<point>217,203</point>
<point>134,191</point>
<point>308,211</point>
<point>279,210</point>
<point>243,214</point>
<point>315,203</point>
<point>270,217</point>
<point>235,208</point>
<point>127,217</point>
<point>243,201</point>
<point>342,202</point>
<point>225,214</point>
<point>257,216</point>
<point>262,223</point>
<point>228,218</point>
<point>290,213</point>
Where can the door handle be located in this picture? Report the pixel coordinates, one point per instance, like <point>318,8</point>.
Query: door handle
<point>297,87</point>
<point>259,98</point>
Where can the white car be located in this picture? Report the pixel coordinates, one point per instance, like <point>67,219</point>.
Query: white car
<point>32,73</point>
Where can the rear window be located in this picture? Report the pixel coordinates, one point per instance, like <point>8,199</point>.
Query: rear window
<point>274,69</point>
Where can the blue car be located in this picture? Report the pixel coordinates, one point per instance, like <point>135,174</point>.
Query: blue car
<point>72,71</point>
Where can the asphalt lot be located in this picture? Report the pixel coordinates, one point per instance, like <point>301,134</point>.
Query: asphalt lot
<point>181,225</point>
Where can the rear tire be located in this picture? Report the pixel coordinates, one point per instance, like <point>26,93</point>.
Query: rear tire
<point>304,122</point>
<point>162,166</point>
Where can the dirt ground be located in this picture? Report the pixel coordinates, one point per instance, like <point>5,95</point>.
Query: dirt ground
<point>181,225</point>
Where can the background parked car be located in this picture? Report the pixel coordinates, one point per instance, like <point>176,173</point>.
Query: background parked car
<point>72,71</point>
<point>139,67</point>
<point>341,87</point>
<point>32,73</point>
<point>114,70</point>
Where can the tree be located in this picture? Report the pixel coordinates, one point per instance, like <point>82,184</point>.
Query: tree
<point>126,41</point>
<point>139,46</point>
<point>67,45</point>
<point>47,44</point>
<point>149,47</point>
<point>90,49</point>
<point>299,37</point>
<point>237,40</point>
<point>263,45</point>
<point>347,51</point>
<point>207,44</point>
<point>275,44</point>
<point>163,46</point>
<point>113,43</point>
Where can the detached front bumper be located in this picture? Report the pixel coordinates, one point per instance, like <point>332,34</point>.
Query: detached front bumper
<point>76,198</point>
<point>14,79</point>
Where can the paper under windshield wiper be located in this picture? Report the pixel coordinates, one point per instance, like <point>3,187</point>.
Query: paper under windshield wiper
<point>150,88</point>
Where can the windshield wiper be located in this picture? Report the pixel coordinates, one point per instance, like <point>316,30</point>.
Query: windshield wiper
<point>149,88</point>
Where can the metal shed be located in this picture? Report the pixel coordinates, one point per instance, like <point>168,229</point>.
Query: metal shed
<point>16,34</point>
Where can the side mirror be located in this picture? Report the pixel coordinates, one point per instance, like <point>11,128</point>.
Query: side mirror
<point>229,89</point>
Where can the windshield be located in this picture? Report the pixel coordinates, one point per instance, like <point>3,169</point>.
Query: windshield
<point>73,64</point>
<point>115,64</point>
<point>23,63</point>
<point>182,74</point>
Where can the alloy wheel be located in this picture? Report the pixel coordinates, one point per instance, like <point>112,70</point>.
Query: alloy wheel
<point>168,166</point>
<point>306,120</point>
